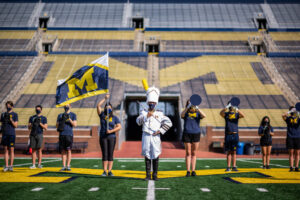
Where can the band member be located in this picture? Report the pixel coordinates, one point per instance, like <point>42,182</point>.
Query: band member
<point>191,134</point>
<point>37,124</point>
<point>293,137</point>
<point>107,135</point>
<point>9,122</point>
<point>154,123</point>
<point>231,115</point>
<point>65,123</point>
<point>265,131</point>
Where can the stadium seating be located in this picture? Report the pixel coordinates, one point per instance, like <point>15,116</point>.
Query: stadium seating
<point>197,15</point>
<point>286,15</point>
<point>118,14</point>
<point>16,14</point>
<point>94,40</point>
<point>287,41</point>
<point>85,15</point>
<point>11,70</point>
<point>217,78</point>
<point>93,27</point>
<point>289,68</point>
<point>15,40</point>
<point>203,41</point>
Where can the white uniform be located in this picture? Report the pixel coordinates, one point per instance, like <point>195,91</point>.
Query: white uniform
<point>151,145</point>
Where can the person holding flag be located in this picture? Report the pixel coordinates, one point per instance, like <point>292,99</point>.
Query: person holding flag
<point>89,80</point>
<point>110,124</point>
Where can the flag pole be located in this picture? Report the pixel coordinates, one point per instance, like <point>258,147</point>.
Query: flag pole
<point>107,104</point>
<point>107,119</point>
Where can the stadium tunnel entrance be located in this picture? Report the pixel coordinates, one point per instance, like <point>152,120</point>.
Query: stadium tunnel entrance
<point>138,22</point>
<point>168,104</point>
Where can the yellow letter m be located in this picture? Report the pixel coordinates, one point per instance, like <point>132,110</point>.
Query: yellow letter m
<point>88,78</point>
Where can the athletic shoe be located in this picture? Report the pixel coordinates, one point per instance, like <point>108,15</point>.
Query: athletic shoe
<point>110,173</point>
<point>194,173</point>
<point>5,169</point>
<point>32,167</point>
<point>291,169</point>
<point>68,168</point>
<point>264,167</point>
<point>188,174</point>
<point>10,168</point>
<point>235,169</point>
<point>40,166</point>
<point>268,167</point>
<point>63,169</point>
<point>227,169</point>
<point>296,169</point>
<point>104,173</point>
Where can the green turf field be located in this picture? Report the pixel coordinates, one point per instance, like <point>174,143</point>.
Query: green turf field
<point>211,183</point>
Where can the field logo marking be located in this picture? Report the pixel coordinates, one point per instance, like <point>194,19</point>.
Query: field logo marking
<point>26,175</point>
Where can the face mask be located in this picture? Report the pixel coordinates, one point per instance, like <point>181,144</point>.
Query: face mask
<point>109,111</point>
<point>151,106</point>
<point>8,109</point>
<point>66,108</point>
<point>38,111</point>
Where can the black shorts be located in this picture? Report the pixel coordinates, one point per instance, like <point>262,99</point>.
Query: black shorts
<point>8,140</point>
<point>265,143</point>
<point>36,141</point>
<point>231,142</point>
<point>292,143</point>
<point>65,142</point>
<point>190,138</point>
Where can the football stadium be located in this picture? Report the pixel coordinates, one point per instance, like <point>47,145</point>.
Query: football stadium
<point>137,99</point>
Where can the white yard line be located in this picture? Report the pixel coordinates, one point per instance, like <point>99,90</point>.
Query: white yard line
<point>160,160</point>
<point>151,190</point>
<point>205,189</point>
<point>93,189</point>
<point>261,189</point>
<point>36,189</point>
<point>48,161</point>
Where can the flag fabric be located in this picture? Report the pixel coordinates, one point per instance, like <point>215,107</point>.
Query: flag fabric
<point>89,80</point>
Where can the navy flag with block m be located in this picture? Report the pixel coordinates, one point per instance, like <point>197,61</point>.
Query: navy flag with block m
<point>89,80</point>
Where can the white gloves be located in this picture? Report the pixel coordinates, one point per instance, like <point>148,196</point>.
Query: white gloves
<point>292,111</point>
<point>228,106</point>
